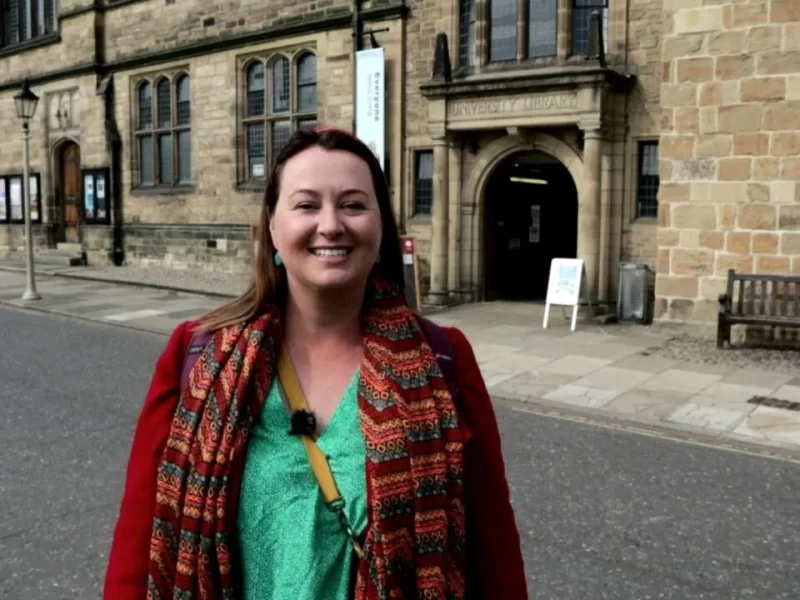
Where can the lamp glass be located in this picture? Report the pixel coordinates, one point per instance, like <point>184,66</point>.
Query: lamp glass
<point>26,102</point>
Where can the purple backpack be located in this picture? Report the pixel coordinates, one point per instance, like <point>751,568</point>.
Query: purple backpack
<point>437,338</point>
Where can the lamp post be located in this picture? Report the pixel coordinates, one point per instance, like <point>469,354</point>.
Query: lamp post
<point>26,102</point>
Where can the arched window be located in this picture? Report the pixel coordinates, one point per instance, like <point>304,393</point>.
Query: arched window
<point>292,105</point>
<point>163,97</point>
<point>281,86</point>
<point>307,83</point>
<point>184,135</point>
<point>145,106</point>
<point>145,136</point>
<point>163,143</point>
<point>255,90</point>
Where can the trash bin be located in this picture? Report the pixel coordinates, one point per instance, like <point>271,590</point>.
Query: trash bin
<point>633,301</point>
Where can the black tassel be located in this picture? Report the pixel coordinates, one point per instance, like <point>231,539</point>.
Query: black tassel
<point>303,423</point>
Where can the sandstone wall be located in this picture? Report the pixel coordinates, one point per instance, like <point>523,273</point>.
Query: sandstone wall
<point>153,26</point>
<point>730,197</point>
<point>640,41</point>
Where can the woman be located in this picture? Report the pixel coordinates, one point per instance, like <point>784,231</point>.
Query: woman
<point>221,503</point>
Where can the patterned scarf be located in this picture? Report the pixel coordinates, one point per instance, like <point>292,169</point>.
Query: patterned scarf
<point>415,543</point>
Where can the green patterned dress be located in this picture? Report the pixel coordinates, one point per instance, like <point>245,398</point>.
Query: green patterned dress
<point>292,547</point>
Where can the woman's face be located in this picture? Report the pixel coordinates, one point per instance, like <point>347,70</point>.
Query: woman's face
<point>326,224</point>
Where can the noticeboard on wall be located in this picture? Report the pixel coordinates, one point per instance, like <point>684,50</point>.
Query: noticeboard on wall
<point>11,198</point>
<point>96,196</point>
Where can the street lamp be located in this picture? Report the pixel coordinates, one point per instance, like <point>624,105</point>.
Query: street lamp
<point>26,102</point>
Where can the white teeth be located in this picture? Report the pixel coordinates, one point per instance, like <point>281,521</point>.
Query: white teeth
<point>326,252</point>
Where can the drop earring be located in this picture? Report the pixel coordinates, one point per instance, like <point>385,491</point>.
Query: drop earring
<point>278,259</point>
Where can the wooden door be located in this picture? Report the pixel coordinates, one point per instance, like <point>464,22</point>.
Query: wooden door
<point>71,193</point>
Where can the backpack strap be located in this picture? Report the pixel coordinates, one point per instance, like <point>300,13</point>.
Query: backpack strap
<point>196,346</point>
<point>443,350</point>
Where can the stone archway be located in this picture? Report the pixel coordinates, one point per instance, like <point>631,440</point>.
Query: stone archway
<point>489,158</point>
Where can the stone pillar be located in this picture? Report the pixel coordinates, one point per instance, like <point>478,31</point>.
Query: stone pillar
<point>589,207</point>
<point>454,249</point>
<point>439,221</point>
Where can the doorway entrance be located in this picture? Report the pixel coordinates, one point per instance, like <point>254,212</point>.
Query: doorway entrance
<point>531,218</point>
<point>71,198</point>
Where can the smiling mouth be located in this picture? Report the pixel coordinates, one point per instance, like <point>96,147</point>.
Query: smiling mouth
<point>331,252</point>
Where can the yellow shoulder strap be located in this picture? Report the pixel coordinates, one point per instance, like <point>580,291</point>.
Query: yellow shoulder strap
<point>293,394</point>
<point>297,401</point>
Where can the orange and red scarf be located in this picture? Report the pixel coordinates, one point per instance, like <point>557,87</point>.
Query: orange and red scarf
<point>415,543</point>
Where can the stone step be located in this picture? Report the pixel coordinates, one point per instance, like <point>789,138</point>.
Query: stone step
<point>75,249</point>
<point>55,256</point>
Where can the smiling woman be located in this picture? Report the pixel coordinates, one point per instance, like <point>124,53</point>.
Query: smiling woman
<point>322,345</point>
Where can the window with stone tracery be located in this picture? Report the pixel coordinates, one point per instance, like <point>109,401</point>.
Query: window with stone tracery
<point>537,22</point>
<point>280,96</point>
<point>581,17</point>
<point>648,180</point>
<point>26,20</point>
<point>423,182</point>
<point>468,11</point>
<point>162,131</point>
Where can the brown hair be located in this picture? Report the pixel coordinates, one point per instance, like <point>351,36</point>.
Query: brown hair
<point>268,282</point>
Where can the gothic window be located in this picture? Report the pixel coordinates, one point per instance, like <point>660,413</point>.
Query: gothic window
<point>542,28</point>
<point>503,30</point>
<point>25,20</point>
<point>581,13</point>
<point>163,135</point>
<point>466,33</point>
<point>280,97</point>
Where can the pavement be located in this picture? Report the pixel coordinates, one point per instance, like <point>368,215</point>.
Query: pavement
<point>605,509</point>
<point>599,369</point>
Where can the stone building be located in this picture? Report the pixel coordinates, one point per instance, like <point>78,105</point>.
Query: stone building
<point>672,141</point>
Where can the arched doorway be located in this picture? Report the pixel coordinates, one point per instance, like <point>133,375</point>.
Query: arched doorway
<point>531,217</point>
<point>69,195</point>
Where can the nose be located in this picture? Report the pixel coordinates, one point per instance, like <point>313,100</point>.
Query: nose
<point>330,221</point>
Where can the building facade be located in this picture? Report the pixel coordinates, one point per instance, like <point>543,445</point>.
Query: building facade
<point>663,132</point>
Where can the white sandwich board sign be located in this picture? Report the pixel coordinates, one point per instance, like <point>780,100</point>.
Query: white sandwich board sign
<point>565,286</point>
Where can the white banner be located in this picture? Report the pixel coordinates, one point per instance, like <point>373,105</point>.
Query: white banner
<point>370,100</point>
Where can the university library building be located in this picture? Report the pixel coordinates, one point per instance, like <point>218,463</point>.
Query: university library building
<point>663,133</point>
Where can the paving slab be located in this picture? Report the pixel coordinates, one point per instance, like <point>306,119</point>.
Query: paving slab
<point>645,363</point>
<point>574,365</point>
<point>615,378</point>
<point>711,418</point>
<point>732,393</point>
<point>647,404</point>
<point>530,386</point>
<point>675,380</point>
<point>754,377</point>
<point>582,395</point>
<point>768,424</point>
<point>787,392</point>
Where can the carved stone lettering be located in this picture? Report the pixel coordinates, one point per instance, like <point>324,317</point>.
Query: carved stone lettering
<point>531,103</point>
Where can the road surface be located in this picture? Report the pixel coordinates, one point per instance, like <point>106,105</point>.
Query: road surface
<point>604,512</point>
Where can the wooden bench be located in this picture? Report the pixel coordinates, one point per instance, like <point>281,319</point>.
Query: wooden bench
<point>770,300</point>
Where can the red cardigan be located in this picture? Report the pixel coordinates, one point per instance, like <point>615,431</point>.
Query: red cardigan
<point>494,557</point>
